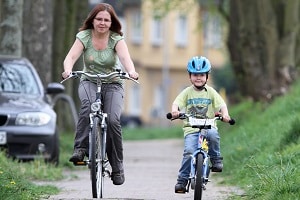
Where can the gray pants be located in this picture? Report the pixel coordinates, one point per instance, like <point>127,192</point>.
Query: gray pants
<point>112,96</point>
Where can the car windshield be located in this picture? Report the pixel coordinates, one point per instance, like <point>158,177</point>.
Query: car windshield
<point>17,78</point>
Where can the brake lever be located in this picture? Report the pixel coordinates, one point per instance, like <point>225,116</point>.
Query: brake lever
<point>126,76</point>
<point>73,74</point>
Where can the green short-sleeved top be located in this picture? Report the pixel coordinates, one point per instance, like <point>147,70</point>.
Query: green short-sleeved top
<point>205,103</point>
<point>99,61</point>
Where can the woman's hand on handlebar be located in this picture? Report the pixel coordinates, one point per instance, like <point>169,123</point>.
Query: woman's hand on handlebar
<point>134,75</point>
<point>66,74</point>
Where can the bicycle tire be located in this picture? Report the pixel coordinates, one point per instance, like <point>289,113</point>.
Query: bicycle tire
<point>96,168</point>
<point>199,178</point>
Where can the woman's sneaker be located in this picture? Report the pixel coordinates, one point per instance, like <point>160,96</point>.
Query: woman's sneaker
<point>118,178</point>
<point>77,156</point>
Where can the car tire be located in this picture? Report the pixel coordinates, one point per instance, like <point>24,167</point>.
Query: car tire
<point>54,157</point>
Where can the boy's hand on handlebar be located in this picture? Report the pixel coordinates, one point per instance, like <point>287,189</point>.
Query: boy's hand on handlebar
<point>175,114</point>
<point>226,118</point>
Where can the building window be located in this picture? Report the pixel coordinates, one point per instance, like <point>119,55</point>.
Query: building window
<point>136,27</point>
<point>158,102</point>
<point>134,100</point>
<point>156,32</point>
<point>181,33</point>
<point>212,31</point>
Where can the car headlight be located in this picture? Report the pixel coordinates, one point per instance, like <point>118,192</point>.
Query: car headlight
<point>32,119</point>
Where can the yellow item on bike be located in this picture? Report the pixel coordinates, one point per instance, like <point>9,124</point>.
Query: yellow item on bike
<point>205,145</point>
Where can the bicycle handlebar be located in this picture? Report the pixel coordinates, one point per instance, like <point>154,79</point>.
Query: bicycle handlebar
<point>184,116</point>
<point>117,73</point>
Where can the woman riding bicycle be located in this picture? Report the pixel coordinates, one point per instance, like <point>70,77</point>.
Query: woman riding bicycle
<point>102,44</point>
<point>203,101</point>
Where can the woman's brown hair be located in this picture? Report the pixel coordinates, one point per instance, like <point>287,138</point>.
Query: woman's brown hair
<point>115,23</point>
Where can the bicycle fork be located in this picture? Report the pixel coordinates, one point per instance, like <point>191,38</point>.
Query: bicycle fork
<point>202,149</point>
<point>205,170</point>
<point>103,145</point>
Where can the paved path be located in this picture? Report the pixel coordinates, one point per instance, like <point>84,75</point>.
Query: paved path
<point>151,169</point>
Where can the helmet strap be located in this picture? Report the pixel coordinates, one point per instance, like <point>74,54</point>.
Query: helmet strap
<point>200,87</point>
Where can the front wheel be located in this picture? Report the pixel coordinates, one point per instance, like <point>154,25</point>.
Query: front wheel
<point>199,178</point>
<point>96,168</point>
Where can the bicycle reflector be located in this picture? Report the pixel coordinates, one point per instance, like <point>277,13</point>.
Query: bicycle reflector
<point>205,145</point>
<point>95,106</point>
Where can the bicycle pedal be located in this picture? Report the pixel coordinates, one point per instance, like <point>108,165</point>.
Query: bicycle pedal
<point>80,163</point>
<point>107,172</point>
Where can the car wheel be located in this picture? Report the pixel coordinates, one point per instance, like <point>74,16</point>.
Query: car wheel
<point>54,157</point>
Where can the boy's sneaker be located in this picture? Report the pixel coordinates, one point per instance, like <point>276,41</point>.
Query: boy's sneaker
<point>180,188</point>
<point>77,156</point>
<point>217,164</point>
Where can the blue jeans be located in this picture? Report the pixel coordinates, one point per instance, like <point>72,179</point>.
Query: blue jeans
<point>191,145</point>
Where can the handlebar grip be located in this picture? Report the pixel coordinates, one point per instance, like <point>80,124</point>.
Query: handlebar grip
<point>231,122</point>
<point>180,116</point>
<point>169,115</point>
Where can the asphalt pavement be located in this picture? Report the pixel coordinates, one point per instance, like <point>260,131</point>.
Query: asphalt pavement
<point>151,169</point>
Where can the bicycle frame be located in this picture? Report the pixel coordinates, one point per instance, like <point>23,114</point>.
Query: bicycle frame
<point>96,108</point>
<point>203,150</point>
<point>97,161</point>
<point>200,168</point>
<point>97,145</point>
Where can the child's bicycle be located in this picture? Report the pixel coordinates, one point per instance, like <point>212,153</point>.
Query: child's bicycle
<point>200,167</point>
<point>97,161</point>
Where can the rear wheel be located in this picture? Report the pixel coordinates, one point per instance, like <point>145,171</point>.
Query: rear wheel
<point>199,178</point>
<point>96,168</point>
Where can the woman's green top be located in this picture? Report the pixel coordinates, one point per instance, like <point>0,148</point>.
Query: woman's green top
<point>100,61</point>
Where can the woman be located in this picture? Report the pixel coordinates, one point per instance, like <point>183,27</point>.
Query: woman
<point>102,44</point>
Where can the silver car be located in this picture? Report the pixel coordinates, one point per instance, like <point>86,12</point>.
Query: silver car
<point>28,127</point>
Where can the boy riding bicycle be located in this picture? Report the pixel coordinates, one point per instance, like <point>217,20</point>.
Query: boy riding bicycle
<point>202,101</point>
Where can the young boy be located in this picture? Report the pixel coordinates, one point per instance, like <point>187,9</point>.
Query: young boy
<point>203,100</point>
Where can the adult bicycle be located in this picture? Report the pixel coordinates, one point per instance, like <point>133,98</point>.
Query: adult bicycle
<point>97,160</point>
<point>200,166</point>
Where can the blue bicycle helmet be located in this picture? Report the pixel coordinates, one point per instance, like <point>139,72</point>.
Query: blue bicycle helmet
<point>198,64</point>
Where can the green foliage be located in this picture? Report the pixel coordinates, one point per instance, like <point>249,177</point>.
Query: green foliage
<point>278,183</point>
<point>292,136</point>
<point>261,153</point>
<point>224,78</point>
<point>15,180</point>
<point>66,150</point>
<point>152,133</point>
<point>163,7</point>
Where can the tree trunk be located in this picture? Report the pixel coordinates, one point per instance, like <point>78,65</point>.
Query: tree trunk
<point>262,38</point>
<point>11,27</point>
<point>37,36</point>
<point>68,17</point>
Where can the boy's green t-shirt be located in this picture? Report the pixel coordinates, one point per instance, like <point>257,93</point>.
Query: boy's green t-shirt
<point>99,61</point>
<point>203,103</point>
